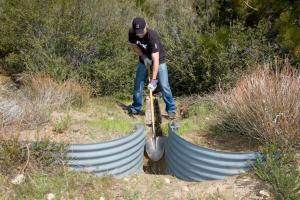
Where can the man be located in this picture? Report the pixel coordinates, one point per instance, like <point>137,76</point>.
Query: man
<point>146,44</point>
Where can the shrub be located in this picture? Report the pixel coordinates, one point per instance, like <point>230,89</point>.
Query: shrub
<point>264,105</point>
<point>42,154</point>
<point>39,95</point>
<point>62,124</point>
<point>85,41</point>
<point>42,88</point>
<point>281,171</point>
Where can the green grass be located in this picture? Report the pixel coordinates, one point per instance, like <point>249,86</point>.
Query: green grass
<point>63,184</point>
<point>108,115</point>
<point>111,125</point>
<point>201,115</point>
<point>62,124</point>
<point>45,173</point>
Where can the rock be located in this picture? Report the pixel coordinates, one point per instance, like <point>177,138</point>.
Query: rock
<point>19,179</point>
<point>102,198</point>
<point>185,188</point>
<point>50,196</point>
<point>168,181</point>
<point>264,193</point>
<point>110,118</point>
<point>126,179</point>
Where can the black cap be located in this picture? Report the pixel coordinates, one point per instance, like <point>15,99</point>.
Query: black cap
<point>138,25</point>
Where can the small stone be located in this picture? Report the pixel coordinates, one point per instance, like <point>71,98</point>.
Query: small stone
<point>50,196</point>
<point>126,179</point>
<point>264,193</point>
<point>102,198</point>
<point>19,179</point>
<point>185,188</point>
<point>168,181</point>
<point>76,130</point>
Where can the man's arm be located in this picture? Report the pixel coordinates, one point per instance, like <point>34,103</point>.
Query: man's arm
<point>155,63</point>
<point>137,50</point>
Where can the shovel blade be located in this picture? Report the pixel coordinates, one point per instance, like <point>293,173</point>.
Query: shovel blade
<point>155,147</point>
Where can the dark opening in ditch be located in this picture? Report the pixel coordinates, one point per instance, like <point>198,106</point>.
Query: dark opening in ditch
<point>151,167</point>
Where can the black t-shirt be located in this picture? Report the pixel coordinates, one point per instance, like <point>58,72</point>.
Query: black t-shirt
<point>149,44</point>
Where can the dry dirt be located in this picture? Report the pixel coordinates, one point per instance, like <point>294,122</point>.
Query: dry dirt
<point>75,133</point>
<point>161,187</point>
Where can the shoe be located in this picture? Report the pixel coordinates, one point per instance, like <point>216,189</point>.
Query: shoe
<point>131,111</point>
<point>171,115</point>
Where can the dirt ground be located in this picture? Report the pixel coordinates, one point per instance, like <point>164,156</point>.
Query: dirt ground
<point>161,187</point>
<point>76,132</point>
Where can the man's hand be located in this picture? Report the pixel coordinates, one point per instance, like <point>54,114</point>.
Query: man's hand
<point>152,85</point>
<point>146,60</point>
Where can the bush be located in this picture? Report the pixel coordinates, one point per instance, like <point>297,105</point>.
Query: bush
<point>42,154</point>
<point>206,43</point>
<point>39,95</point>
<point>264,105</point>
<point>281,171</point>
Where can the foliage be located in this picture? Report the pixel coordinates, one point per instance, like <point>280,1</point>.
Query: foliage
<point>62,124</point>
<point>264,105</point>
<point>38,96</point>
<point>14,155</point>
<point>207,42</point>
<point>279,168</point>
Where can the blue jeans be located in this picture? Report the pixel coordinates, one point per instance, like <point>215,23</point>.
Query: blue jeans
<point>162,76</point>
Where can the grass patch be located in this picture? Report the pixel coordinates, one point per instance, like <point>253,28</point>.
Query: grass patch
<point>109,115</point>
<point>45,173</point>
<point>60,182</point>
<point>64,185</point>
<point>111,125</point>
<point>198,114</point>
<point>14,155</point>
<point>281,171</point>
<point>62,124</point>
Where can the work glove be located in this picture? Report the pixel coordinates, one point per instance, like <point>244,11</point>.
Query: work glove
<point>152,85</point>
<point>146,60</point>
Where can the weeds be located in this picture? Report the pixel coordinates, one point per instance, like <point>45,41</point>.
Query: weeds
<point>14,155</point>
<point>62,124</point>
<point>279,168</point>
<point>197,113</point>
<point>46,173</point>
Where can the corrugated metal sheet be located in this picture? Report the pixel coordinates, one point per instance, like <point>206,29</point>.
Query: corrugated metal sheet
<point>119,157</point>
<point>194,163</point>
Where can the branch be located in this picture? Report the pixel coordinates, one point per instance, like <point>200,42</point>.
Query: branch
<point>247,4</point>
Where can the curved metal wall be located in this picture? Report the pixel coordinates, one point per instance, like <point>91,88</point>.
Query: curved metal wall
<point>194,163</point>
<point>118,158</point>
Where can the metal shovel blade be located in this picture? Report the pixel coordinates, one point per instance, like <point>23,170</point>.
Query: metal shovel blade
<point>155,147</point>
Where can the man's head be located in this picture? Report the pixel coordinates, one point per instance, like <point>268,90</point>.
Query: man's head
<point>139,26</point>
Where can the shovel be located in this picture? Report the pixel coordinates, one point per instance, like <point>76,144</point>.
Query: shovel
<point>155,144</point>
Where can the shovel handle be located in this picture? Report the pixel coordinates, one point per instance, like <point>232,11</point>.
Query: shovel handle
<point>151,104</point>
